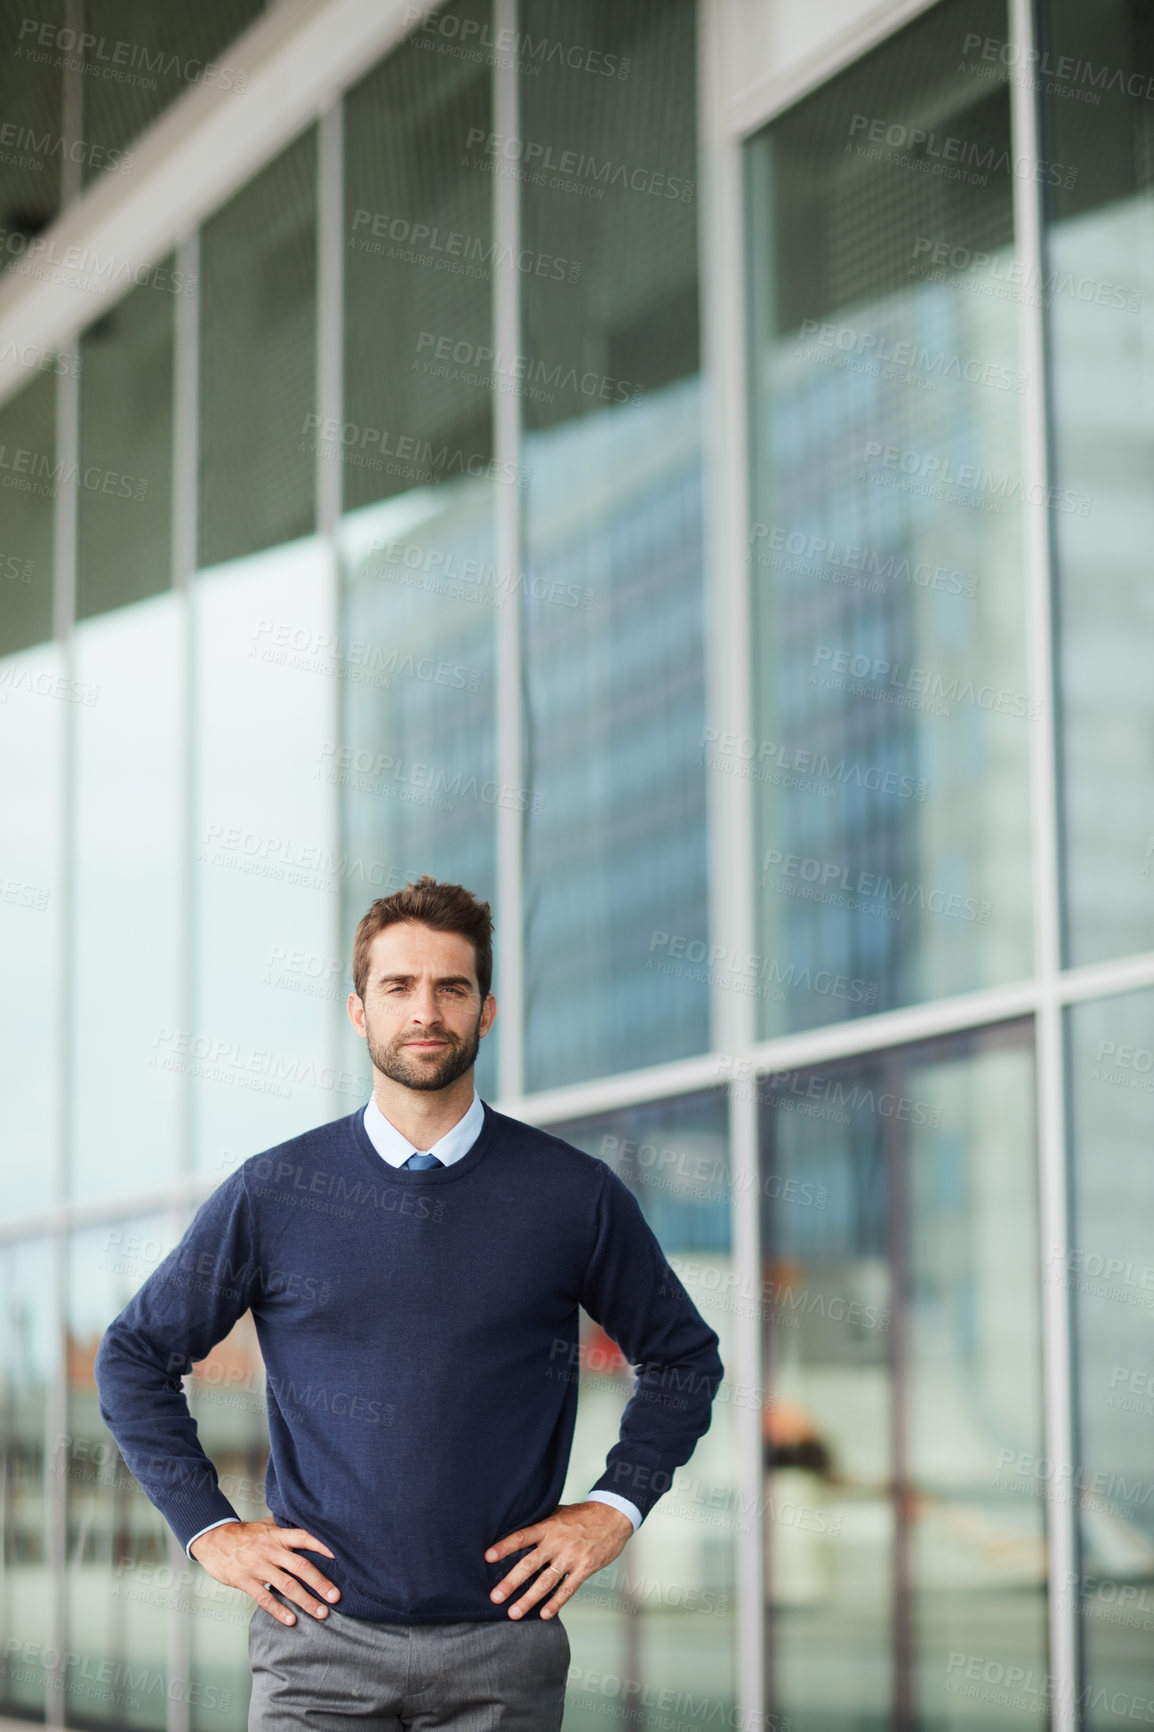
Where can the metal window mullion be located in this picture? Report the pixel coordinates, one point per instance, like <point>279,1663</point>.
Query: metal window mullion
<point>728,603</point>
<point>729,799</point>
<point>747,1373</point>
<point>186,394</point>
<point>185,409</point>
<point>1053,1178</point>
<point>329,473</point>
<point>65,507</point>
<point>509,913</point>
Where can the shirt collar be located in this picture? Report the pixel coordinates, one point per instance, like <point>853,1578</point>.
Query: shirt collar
<point>396,1149</point>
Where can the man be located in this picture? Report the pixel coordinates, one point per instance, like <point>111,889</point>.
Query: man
<point>414,1272</point>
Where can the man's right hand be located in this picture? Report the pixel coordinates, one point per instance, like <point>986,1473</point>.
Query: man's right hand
<point>257,1556</point>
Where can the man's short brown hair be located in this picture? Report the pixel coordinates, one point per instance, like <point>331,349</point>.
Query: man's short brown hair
<point>444,907</point>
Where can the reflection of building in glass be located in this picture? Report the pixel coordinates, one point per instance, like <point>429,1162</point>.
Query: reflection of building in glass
<point>682,471</point>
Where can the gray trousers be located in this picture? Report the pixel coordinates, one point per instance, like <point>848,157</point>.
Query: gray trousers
<point>339,1674</point>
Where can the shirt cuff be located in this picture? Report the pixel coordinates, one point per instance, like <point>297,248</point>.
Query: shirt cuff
<point>221,1523</point>
<point>622,1503</point>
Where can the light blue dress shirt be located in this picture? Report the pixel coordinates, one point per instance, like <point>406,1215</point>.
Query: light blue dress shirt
<point>457,1141</point>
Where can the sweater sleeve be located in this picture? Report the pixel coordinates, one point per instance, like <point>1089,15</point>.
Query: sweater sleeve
<point>633,1293</point>
<point>188,1304</point>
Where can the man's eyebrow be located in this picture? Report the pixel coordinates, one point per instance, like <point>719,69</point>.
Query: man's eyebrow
<point>442,980</point>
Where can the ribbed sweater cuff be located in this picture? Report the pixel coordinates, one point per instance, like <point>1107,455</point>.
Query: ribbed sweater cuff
<point>188,1510</point>
<point>641,1483</point>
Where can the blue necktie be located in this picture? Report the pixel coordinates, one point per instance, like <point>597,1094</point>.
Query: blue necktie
<point>418,1163</point>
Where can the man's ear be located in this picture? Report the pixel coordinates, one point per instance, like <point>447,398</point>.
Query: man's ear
<point>354,1006</point>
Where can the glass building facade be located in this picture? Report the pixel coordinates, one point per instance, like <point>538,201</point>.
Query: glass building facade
<point>682,469</point>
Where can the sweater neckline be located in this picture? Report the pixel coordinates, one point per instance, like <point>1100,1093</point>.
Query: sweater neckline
<point>420,1176</point>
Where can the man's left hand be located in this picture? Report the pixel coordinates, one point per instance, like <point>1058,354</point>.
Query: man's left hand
<point>576,1541</point>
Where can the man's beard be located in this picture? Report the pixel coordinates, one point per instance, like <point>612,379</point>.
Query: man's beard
<point>394,1063</point>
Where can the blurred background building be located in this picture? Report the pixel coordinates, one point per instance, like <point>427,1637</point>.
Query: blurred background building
<point>683,470</point>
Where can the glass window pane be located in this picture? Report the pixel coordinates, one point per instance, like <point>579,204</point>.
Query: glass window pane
<point>117,1626</point>
<point>258,361</point>
<point>613,614</point>
<point>415,661</point>
<point>126,986</point>
<point>977,1536</point>
<point>35,697</point>
<point>1109,1269</point>
<point>269,983</point>
<point>147,53</point>
<point>125,492</point>
<point>900,1290</point>
<point>1100,268</point>
<point>662,1617</point>
<point>28,1363</point>
<point>28,453</point>
<point>886,539</point>
<point>226,1393</point>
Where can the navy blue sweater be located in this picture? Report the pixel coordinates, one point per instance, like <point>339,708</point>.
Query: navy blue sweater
<point>419,1333</point>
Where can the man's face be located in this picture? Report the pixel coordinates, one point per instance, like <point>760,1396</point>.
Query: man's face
<point>422,1014</point>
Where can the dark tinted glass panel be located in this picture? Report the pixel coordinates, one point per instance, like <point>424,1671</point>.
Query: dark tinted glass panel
<point>32,103</point>
<point>901,1330</point>
<point>613,615</point>
<point>1099,293</point>
<point>28,453</point>
<point>661,1620</point>
<point>125,493</point>
<point>414,663</point>
<point>258,432</point>
<point>892,720</point>
<point>146,54</point>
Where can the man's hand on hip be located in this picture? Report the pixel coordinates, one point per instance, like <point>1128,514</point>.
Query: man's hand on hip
<point>576,1541</point>
<point>257,1556</point>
